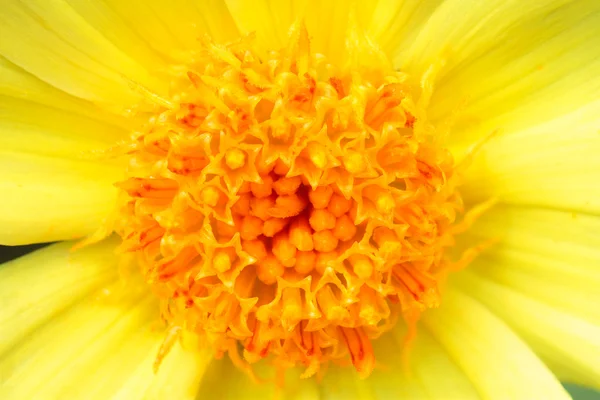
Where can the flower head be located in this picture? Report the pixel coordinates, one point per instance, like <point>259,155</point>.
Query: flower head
<point>301,195</point>
<point>288,205</point>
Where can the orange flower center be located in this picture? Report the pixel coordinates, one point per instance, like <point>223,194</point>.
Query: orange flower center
<point>288,206</point>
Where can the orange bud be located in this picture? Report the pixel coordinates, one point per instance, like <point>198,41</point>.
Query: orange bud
<point>287,185</point>
<point>251,228</point>
<point>301,234</point>
<point>321,219</point>
<point>344,228</point>
<point>263,189</point>
<point>339,205</point>
<point>324,241</point>
<point>305,261</point>
<point>256,248</point>
<point>269,269</point>
<point>320,196</point>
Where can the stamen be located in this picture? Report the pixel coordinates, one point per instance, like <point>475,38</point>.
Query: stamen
<point>354,163</point>
<point>360,350</point>
<point>167,344</point>
<point>362,266</point>
<point>235,158</point>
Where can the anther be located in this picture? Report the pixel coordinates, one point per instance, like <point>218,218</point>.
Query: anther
<point>361,351</point>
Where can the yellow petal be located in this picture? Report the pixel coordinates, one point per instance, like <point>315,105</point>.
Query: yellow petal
<point>125,370</point>
<point>48,199</point>
<point>431,373</point>
<point>343,383</point>
<point>527,64</point>
<point>17,83</point>
<point>517,68</point>
<point>270,19</point>
<point>40,129</point>
<point>545,267</point>
<point>163,28</point>
<point>229,382</point>
<point>32,288</point>
<point>119,30</point>
<point>327,22</point>
<point>466,33</point>
<point>497,362</point>
<point>563,340</point>
<point>49,360</point>
<point>56,44</point>
<point>395,24</point>
<point>527,71</point>
<point>50,191</point>
<point>102,347</point>
<point>433,367</point>
<point>550,255</point>
<point>179,375</point>
<point>554,164</point>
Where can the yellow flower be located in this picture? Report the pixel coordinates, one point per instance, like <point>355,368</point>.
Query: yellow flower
<point>316,200</point>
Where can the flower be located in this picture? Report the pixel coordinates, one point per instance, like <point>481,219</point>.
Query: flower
<point>304,199</point>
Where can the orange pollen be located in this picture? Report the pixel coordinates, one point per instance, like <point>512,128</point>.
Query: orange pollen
<point>288,206</point>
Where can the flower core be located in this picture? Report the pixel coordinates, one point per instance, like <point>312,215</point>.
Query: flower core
<point>289,207</point>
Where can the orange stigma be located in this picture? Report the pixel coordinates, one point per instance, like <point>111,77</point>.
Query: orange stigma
<point>289,207</point>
